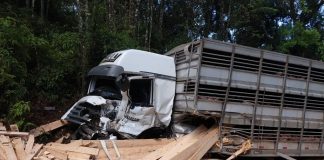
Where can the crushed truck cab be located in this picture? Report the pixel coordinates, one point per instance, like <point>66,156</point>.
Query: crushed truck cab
<point>130,91</point>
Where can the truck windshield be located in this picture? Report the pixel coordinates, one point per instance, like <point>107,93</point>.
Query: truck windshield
<point>107,89</point>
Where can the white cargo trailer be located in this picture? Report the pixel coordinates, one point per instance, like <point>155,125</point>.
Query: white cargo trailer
<point>275,99</point>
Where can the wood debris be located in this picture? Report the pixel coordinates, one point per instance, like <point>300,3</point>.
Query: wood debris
<point>192,146</point>
<point>48,127</point>
<point>15,145</point>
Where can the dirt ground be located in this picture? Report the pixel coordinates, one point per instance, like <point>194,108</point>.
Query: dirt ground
<point>39,115</point>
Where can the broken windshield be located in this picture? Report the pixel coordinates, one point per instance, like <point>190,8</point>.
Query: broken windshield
<point>106,88</point>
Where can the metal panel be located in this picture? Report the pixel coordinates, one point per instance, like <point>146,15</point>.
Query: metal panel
<point>282,103</point>
<point>276,99</point>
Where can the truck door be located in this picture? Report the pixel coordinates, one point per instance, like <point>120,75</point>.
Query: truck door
<point>140,114</point>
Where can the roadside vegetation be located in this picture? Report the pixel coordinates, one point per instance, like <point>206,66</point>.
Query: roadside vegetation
<point>47,47</point>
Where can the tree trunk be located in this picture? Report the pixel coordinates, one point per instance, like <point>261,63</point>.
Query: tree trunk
<point>161,16</point>
<point>42,11</point>
<point>110,13</point>
<point>47,8</point>
<point>147,25</point>
<point>148,30</point>
<point>27,3</point>
<point>107,12</point>
<point>33,6</point>
<point>83,12</point>
<point>151,23</point>
<point>131,21</point>
<point>137,20</point>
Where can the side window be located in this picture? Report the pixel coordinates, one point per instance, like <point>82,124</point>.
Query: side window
<point>140,92</point>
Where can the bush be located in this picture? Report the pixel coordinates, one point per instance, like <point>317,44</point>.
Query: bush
<point>18,112</point>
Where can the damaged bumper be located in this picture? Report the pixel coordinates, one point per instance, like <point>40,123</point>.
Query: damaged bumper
<point>96,115</point>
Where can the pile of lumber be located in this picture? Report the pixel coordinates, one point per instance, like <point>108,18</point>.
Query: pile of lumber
<point>70,151</point>
<point>15,145</point>
<point>93,149</point>
<point>192,146</point>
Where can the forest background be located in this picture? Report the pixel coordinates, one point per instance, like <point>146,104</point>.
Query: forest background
<point>47,46</point>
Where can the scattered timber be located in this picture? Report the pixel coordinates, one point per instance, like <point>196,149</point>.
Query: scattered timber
<point>15,145</point>
<point>22,146</point>
<point>48,127</point>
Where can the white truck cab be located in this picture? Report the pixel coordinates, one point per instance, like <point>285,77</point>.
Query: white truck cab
<point>130,91</point>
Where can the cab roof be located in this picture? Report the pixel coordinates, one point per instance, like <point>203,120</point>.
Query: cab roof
<point>133,60</point>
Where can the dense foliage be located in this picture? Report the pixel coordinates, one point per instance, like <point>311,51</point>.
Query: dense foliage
<point>47,46</point>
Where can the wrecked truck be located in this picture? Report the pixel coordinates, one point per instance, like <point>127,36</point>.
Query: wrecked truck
<point>273,99</point>
<point>130,91</point>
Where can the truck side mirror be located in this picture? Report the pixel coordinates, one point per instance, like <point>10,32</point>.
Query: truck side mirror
<point>122,82</point>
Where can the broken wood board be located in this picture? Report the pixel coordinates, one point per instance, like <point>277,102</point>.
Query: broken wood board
<point>76,155</point>
<point>80,149</point>
<point>14,134</point>
<point>30,143</point>
<point>174,146</point>
<point>206,143</point>
<point>48,127</point>
<point>14,127</point>
<point>128,149</point>
<point>3,128</point>
<point>14,147</point>
<point>7,147</point>
<point>127,143</point>
<point>36,149</point>
<point>2,153</point>
<point>185,147</point>
<point>19,148</point>
<point>58,154</point>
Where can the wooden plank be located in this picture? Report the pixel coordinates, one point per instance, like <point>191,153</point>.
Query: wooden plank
<point>157,154</point>
<point>173,146</point>
<point>30,143</point>
<point>36,149</point>
<point>4,139</point>
<point>206,143</point>
<point>58,154</point>
<point>19,148</point>
<point>2,152</point>
<point>3,128</point>
<point>14,134</point>
<point>79,143</point>
<point>63,147</point>
<point>133,142</point>
<point>129,152</point>
<point>78,156</point>
<point>42,158</point>
<point>182,150</point>
<point>185,148</point>
<point>14,127</point>
<point>10,153</point>
<point>51,157</point>
<point>48,127</point>
<point>7,146</point>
